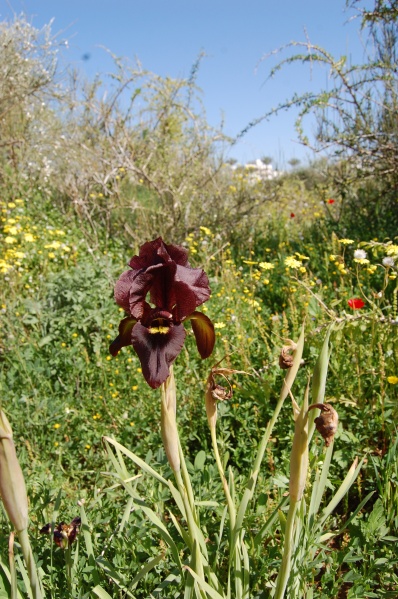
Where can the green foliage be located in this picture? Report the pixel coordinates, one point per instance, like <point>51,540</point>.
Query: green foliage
<point>277,252</point>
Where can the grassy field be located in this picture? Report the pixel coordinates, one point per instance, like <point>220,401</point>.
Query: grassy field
<point>259,502</point>
<point>63,392</point>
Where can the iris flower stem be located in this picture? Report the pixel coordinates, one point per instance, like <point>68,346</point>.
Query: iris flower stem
<point>187,482</point>
<point>251,485</point>
<point>68,565</point>
<point>13,571</point>
<point>231,507</point>
<point>197,563</point>
<point>30,564</point>
<point>284,572</point>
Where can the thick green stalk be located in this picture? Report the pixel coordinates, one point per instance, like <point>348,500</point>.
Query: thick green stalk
<point>230,503</point>
<point>284,572</point>
<point>287,384</point>
<point>68,566</point>
<point>251,485</point>
<point>13,571</point>
<point>233,539</point>
<point>187,481</point>
<point>195,545</point>
<point>30,564</point>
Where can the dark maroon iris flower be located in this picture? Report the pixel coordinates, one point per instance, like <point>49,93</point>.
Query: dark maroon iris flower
<point>175,290</point>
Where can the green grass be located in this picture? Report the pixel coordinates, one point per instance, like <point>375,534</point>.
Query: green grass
<point>62,393</point>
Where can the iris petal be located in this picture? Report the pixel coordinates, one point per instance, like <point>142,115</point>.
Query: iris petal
<point>190,289</point>
<point>122,289</point>
<point>124,337</point>
<point>204,333</point>
<point>138,290</point>
<point>157,350</point>
<point>158,252</point>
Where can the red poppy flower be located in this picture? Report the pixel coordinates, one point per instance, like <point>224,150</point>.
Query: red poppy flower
<point>356,303</point>
<point>292,215</point>
<point>157,333</point>
<point>331,201</point>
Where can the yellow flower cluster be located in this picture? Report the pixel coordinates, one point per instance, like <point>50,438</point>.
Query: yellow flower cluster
<point>292,262</point>
<point>392,250</point>
<point>18,232</point>
<point>266,265</point>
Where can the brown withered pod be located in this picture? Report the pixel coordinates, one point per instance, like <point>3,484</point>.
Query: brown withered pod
<point>219,392</point>
<point>216,392</point>
<point>64,534</point>
<point>286,356</point>
<point>326,423</point>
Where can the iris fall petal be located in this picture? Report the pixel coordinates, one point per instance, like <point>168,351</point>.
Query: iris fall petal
<point>124,337</point>
<point>157,351</point>
<point>204,333</point>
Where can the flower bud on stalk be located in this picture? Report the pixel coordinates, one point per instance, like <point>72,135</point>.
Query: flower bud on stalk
<point>12,483</point>
<point>211,402</point>
<point>168,421</point>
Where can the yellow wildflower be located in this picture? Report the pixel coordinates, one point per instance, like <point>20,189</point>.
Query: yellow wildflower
<point>205,230</point>
<point>53,245</point>
<point>346,241</point>
<point>11,230</point>
<point>392,250</point>
<point>10,240</point>
<point>266,265</point>
<point>292,262</point>
<point>393,380</point>
<point>29,237</point>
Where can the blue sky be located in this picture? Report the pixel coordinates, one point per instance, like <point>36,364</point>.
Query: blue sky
<point>167,36</point>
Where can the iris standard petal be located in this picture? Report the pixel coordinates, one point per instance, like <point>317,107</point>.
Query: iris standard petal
<point>138,291</point>
<point>204,333</point>
<point>157,348</point>
<point>190,290</point>
<point>156,252</point>
<point>124,337</point>
<point>122,289</point>
<point>161,291</point>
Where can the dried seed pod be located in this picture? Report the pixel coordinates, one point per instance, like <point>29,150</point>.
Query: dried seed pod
<point>326,423</point>
<point>216,392</point>
<point>286,355</point>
